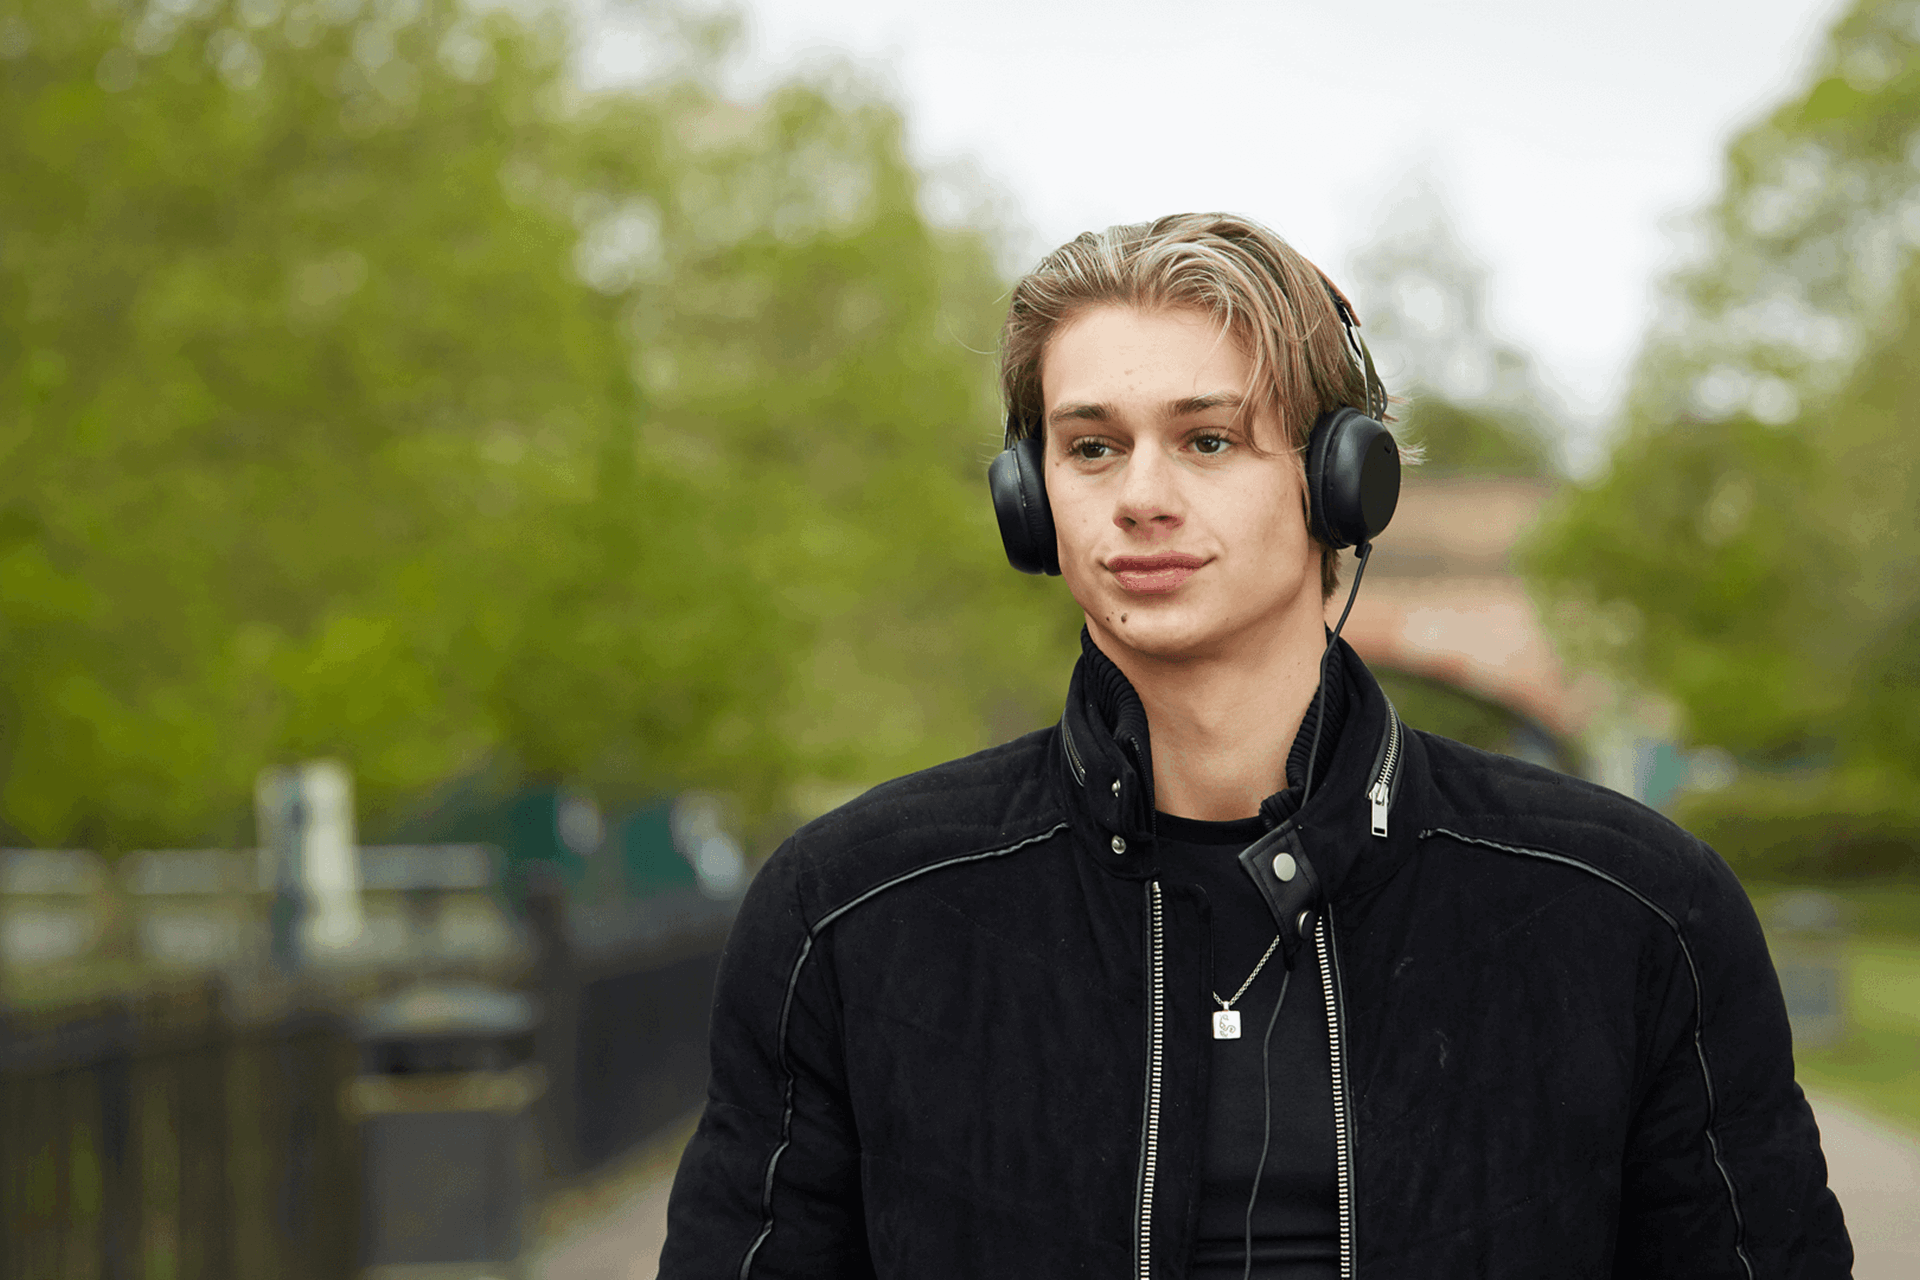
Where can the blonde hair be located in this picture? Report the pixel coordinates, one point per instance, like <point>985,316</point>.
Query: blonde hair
<point>1281,309</point>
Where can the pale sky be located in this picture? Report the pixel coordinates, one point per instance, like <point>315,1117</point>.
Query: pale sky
<point>1564,136</point>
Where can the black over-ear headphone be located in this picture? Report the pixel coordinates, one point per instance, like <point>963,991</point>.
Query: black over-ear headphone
<point>1353,475</point>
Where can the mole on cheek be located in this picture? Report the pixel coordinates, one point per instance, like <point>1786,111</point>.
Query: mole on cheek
<point>1123,617</point>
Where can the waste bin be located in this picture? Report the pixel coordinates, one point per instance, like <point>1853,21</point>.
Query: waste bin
<point>443,1099</point>
<point>1808,940</point>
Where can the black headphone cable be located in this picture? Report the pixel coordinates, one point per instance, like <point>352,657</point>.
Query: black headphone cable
<point>1320,711</point>
<point>1266,1110</point>
<point>1365,552</point>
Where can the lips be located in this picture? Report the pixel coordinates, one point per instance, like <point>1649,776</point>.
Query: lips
<point>1153,575</point>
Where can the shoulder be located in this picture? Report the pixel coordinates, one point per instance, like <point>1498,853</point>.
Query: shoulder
<point>1508,805</point>
<point>994,800</point>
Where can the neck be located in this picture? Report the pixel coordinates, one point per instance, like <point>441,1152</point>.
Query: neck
<point>1222,726</point>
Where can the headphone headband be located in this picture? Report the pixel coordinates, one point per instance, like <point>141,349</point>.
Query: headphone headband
<point>1376,394</point>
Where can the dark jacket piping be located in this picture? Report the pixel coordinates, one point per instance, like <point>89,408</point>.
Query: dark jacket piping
<point>786,1009</point>
<point>1699,1049</point>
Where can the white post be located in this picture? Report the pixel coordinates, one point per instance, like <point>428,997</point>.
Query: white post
<point>308,845</point>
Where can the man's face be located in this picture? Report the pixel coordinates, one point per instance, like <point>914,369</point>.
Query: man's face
<point>1176,538</point>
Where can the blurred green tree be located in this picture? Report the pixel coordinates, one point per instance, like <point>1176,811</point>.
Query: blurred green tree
<point>1751,549</point>
<point>1471,403</point>
<point>1474,403</point>
<point>377,393</point>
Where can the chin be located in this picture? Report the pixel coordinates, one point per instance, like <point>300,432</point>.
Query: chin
<point>1161,629</point>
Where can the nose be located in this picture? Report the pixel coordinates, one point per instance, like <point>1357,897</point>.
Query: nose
<point>1149,498</point>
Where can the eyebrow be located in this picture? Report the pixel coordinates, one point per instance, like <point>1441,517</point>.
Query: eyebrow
<point>1200,404</point>
<point>1095,412</point>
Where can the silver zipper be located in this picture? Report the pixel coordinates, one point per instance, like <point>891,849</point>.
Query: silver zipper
<point>1380,794</point>
<point>1336,1056</point>
<point>1156,1049</point>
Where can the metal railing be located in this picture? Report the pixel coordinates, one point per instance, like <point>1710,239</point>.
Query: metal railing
<point>167,1133</point>
<point>195,1129</point>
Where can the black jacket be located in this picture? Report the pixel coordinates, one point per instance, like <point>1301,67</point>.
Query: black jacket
<point>960,1027</point>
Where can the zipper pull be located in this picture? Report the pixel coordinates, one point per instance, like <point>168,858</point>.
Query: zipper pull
<point>1378,796</point>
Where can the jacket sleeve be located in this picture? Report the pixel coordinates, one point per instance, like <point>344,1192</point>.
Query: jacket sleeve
<point>1723,1171</point>
<point>769,1186</point>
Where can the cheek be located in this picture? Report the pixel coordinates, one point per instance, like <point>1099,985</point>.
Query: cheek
<point>1281,518</point>
<point>1082,509</point>
<point>1077,530</point>
<point>1286,550</point>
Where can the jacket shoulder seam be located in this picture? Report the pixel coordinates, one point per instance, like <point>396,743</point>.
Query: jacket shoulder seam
<point>786,1008</point>
<point>1699,1003</point>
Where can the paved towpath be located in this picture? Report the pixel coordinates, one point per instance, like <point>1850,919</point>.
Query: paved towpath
<point>1875,1170</point>
<point>614,1231</point>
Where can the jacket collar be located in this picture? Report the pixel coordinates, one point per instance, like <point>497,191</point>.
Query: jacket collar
<point>1106,764</point>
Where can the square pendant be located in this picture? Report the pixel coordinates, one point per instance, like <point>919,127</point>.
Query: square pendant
<point>1226,1024</point>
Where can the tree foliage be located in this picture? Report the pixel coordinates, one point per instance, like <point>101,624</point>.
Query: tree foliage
<point>377,393</point>
<point>1752,550</point>
<point>1473,402</point>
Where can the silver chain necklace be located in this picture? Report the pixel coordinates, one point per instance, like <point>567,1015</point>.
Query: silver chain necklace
<point>1226,1019</point>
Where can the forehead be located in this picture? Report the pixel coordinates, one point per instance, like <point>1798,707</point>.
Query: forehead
<point>1146,365</point>
<point>1115,350</point>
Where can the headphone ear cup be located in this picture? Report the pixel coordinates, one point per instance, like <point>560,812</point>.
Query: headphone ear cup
<point>1018,484</point>
<point>1316,482</point>
<point>1353,478</point>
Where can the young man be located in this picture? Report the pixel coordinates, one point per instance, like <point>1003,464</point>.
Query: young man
<point>986,1021</point>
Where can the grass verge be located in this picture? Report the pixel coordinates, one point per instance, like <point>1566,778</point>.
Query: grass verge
<point>1877,1066</point>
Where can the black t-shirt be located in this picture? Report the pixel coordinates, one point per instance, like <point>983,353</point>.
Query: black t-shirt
<point>1295,1218</point>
